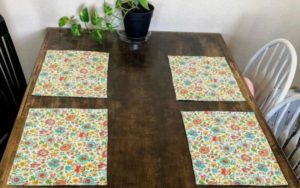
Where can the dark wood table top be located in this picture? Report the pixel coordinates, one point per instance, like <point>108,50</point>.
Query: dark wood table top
<point>147,142</point>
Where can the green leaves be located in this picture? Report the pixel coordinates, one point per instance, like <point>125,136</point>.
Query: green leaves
<point>94,24</point>
<point>76,29</point>
<point>84,15</point>
<point>63,21</point>
<point>110,27</point>
<point>95,18</point>
<point>97,34</point>
<point>144,4</point>
<point>108,11</point>
<point>118,4</point>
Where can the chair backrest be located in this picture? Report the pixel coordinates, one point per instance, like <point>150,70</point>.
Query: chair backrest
<point>284,120</point>
<point>272,70</point>
<point>12,84</point>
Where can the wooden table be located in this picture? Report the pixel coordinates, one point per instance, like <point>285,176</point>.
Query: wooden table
<point>147,142</point>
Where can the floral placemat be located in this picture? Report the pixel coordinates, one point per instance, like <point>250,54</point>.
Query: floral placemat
<point>73,74</point>
<point>229,148</point>
<point>62,147</point>
<point>203,78</point>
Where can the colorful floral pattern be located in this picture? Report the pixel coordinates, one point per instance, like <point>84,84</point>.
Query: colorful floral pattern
<point>62,147</point>
<point>204,79</point>
<point>229,148</point>
<point>73,74</point>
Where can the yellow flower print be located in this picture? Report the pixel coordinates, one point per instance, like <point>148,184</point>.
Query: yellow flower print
<point>203,78</point>
<point>234,157</point>
<point>54,154</point>
<point>75,181</point>
<point>233,169</point>
<point>86,82</point>
<point>62,158</point>
<point>22,164</point>
<point>35,182</point>
<point>32,131</point>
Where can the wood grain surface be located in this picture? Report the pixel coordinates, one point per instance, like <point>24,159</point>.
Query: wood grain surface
<point>147,143</point>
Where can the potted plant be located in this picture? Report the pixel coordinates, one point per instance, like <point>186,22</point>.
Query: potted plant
<point>137,16</point>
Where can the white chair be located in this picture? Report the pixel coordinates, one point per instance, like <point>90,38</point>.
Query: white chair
<point>272,70</point>
<point>284,120</point>
<point>297,172</point>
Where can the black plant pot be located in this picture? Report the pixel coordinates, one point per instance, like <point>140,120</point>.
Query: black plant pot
<point>137,22</point>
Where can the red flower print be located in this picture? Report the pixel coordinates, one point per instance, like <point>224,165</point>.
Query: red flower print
<point>82,135</point>
<point>98,88</point>
<point>222,72</point>
<point>50,122</point>
<point>202,177</point>
<point>101,165</point>
<point>103,133</point>
<point>204,150</point>
<point>225,171</point>
<point>66,60</point>
<point>83,71</point>
<point>47,86</point>
<point>87,180</point>
<point>258,179</point>
<point>16,179</point>
<point>87,126</point>
<point>105,123</point>
<point>61,78</point>
<point>183,91</point>
<point>197,121</point>
<point>234,137</point>
<point>60,182</point>
<point>245,170</point>
<point>178,71</point>
<point>34,165</point>
<point>99,68</point>
<point>215,138</point>
<point>263,152</point>
<point>42,175</point>
<point>245,157</point>
<point>17,156</point>
<point>192,69</point>
<point>104,154</point>
<point>65,147</point>
<point>53,66</point>
<point>43,152</point>
<point>251,123</point>
<point>43,132</point>
<point>70,117</point>
<point>79,169</point>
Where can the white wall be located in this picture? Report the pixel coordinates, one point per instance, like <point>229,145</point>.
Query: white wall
<point>245,24</point>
